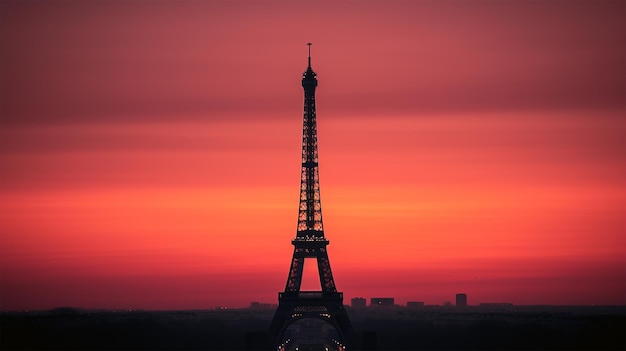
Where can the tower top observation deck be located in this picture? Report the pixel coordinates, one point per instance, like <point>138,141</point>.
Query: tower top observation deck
<point>309,80</point>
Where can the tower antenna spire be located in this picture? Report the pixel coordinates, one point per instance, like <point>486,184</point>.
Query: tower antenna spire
<point>309,45</point>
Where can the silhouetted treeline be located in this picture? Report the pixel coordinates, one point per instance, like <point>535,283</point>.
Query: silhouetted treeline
<point>382,329</point>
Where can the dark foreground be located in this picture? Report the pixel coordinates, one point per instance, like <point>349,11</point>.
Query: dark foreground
<point>428,328</point>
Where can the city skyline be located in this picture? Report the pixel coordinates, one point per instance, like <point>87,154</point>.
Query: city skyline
<point>150,152</point>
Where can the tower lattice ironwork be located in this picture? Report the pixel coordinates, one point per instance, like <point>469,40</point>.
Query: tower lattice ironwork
<point>310,242</point>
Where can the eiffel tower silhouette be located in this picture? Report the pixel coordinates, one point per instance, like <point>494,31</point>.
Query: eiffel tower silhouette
<point>310,242</point>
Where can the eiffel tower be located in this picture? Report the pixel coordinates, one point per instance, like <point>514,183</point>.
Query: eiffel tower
<point>294,304</point>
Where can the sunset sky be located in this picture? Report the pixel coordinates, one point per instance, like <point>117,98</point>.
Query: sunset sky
<point>150,150</point>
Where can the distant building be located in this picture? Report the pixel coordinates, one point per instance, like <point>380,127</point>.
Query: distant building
<point>415,304</point>
<point>461,300</point>
<point>495,304</point>
<point>447,303</point>
<point>382,301</point>
<point>358,302</point>
<point>261,306</point>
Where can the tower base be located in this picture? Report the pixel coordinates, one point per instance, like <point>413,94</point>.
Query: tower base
<point>296,305</point>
